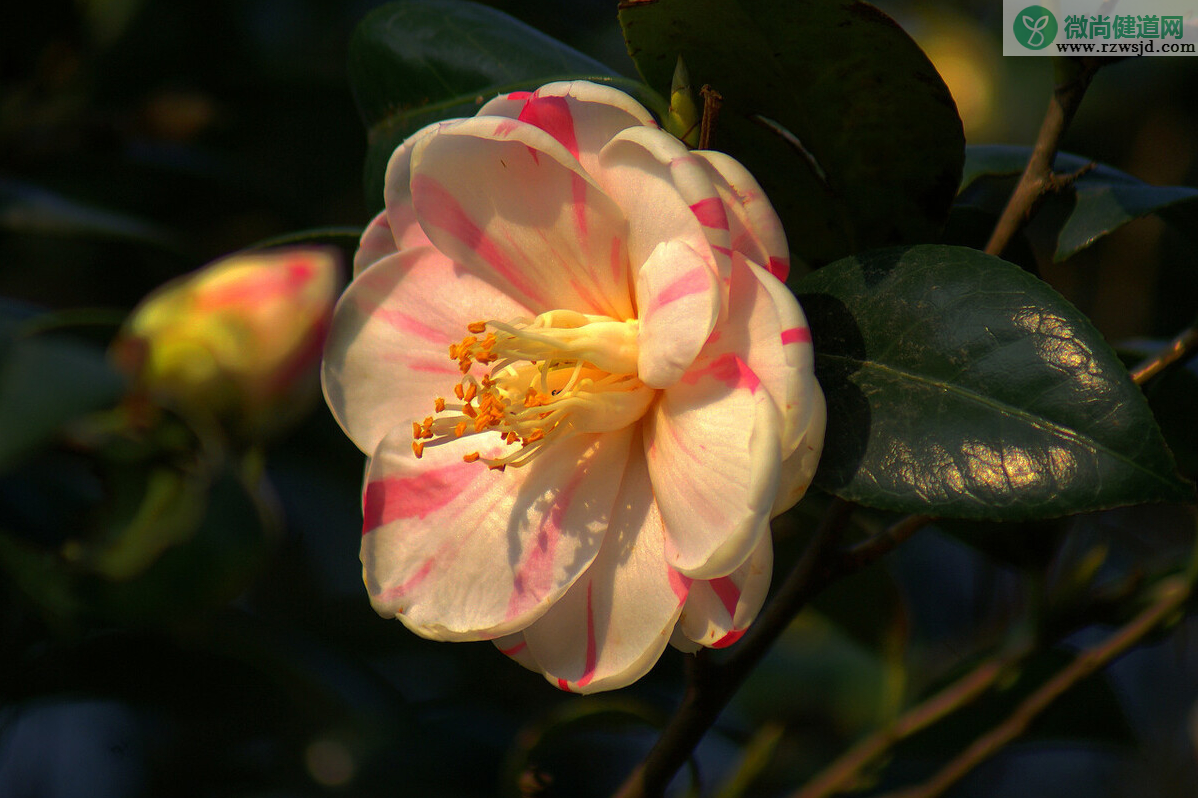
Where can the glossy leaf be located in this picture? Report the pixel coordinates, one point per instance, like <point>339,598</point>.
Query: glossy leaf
<point>958,385</point>
<point>1103,199</point>
<point>813,101</point>
<point>30,209</point>
<point>415,62</point>
<point>45,382</point>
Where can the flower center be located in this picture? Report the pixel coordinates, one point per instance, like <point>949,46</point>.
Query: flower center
<point>550,377</point>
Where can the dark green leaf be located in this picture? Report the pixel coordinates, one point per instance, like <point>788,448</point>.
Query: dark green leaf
<point>344,239</point>
<point>46,382</point>
<point>959,385</point>
<point>29,209</point>
<point>415,62</point>
<point>814,101</point>
<point>1104,199</point>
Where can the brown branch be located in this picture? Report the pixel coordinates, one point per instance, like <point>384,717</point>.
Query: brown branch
<point>712,101</point>
<point>1038,180</point>
<point>1171,593</point>
<point>1180,349</point>
<point>712,682</point>
<point>842,773</point>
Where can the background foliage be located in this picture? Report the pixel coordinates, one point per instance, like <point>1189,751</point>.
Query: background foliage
<point>140,139</point>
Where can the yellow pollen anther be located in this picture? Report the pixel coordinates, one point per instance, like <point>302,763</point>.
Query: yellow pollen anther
<point>415,429</point>
<point>418,448</point>
<point>558,374</point>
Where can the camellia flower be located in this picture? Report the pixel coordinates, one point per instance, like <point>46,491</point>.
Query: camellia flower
<point>582,385</point>
<point>239,338</point>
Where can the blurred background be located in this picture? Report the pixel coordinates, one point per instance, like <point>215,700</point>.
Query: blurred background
<point>140,139</point>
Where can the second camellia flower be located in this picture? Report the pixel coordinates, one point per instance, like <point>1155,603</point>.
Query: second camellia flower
<point>583,388</point>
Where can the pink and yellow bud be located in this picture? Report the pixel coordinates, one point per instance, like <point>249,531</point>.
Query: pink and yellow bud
<point>239,339</point>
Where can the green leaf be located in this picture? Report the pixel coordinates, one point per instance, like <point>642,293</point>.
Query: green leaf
<point>415,62</point>
<point>1103,199</point>
<point>815,103</point>
<point>343,239</point>
<point>961,386</point>
<point>45,382</point>
<point>30,209</point>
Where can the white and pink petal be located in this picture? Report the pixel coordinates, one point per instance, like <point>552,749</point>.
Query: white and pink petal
<point>712,447</point>
<point>458,551</point>
<point>614,622</point>
<point>638,171</point>
<point>718,611</point>
<point>679,302</point>
<point>582,116</point>
<point>386,356</point>
<point>515,647</point>
<point>509,199</point>
<point>798,469</point>
<point>754,228</point>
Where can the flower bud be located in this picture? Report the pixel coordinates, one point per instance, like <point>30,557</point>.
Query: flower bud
<point>239,339</point>
<point>684,118</point>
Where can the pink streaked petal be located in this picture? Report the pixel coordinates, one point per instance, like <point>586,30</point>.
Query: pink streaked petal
<point>596,114</point>
<point>480,556</point>
<point>679,301</point>
<point>377,242</point>
<point>397,187</point>
<point>799,468</point>
<point>779,267</point>
<point>551,114</point>
<point>653,179</point>
<point>515,647</point>
<point>796,335</point>
<point>792,384</point>
<point>392,327</point>
<point>614,622</point>
<point>710,213</point>
<point>538,226</point>
<point>712,446</point>
<point>755,229</point>
<point>719,611</point>
<point>763,335</point>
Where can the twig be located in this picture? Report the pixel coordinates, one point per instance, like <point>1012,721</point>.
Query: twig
<point>884,542</point>
<point>1171,593</point>
<point>712,682</point>
<point>842,773</point>
<point>712,100</point>
<point>1038,179</point>
<point>1180,349</point>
